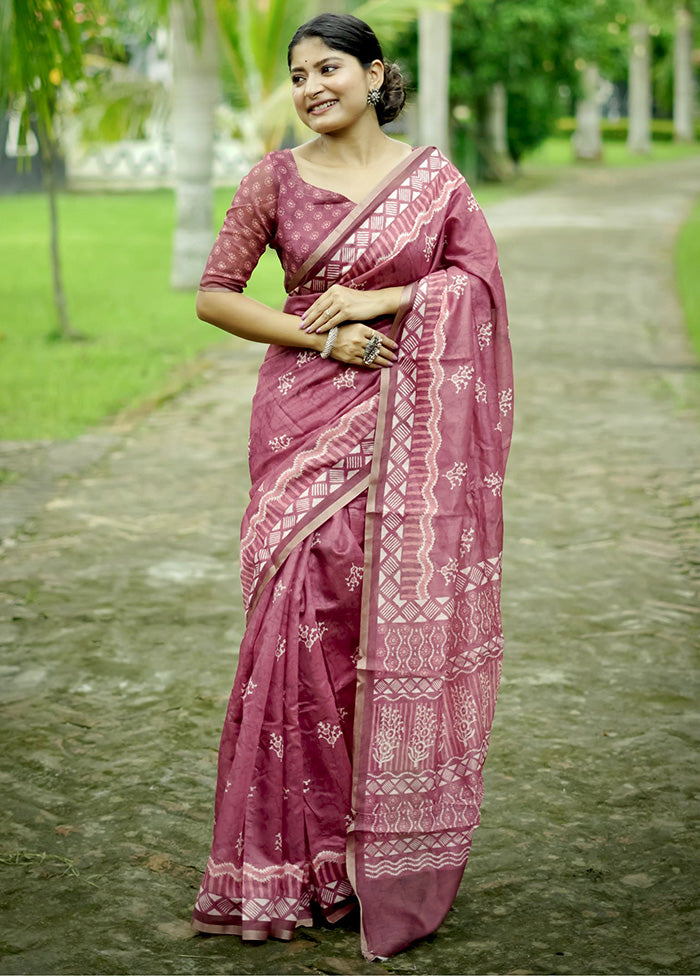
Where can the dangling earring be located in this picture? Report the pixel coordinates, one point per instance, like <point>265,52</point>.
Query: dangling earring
<point>373,96</point>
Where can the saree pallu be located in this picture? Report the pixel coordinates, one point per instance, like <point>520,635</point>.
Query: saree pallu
<point>370,563</point>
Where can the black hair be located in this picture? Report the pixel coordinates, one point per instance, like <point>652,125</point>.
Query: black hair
<point>343,32</point>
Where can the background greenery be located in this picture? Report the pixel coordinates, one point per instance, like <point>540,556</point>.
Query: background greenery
<point>143,337</point>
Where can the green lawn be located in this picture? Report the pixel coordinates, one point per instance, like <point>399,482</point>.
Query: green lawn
<point>116,250</point>
<point>142,336</point>
<point>688,269</point>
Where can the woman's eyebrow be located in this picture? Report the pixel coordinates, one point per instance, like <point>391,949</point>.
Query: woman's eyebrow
<point>331,57</point>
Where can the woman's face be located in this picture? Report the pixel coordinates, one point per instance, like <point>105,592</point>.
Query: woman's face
<point>330,87</point>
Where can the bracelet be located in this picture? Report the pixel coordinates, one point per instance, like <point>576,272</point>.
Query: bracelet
<point>330,342</point>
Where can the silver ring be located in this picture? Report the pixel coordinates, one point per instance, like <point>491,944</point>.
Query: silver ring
<point>327,313</point>
<point>372,348</point>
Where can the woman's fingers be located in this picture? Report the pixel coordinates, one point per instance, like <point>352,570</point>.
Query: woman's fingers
<point>320,317</point>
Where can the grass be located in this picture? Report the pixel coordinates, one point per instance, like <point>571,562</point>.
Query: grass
<point>557,153</point>
<point>688,266</point>
<point>116,251</point>
<point>144,338</point>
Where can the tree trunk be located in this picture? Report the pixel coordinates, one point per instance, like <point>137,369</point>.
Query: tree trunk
<point>587,141</point>
<point>496,131</point>
<point>49,154</point>
<point>683,121</point>
<point>195,94</point>
<point>639,107</point>
<point>434,78</point>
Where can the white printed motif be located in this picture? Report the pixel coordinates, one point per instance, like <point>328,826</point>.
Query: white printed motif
<point>462,377</point>
<point>464,708</point>
<point>344,380</point>
<point>279,590</point>
<point>285,383</point>
<point>423,734</point>
<point>281,647</point>
<point>309,635</point>
<point>429,246</point>
<point>457,474</point>
<point>354,579</point>
<point>278,842</point>
<point>450,570</point>
<point>280,442</point>
<point>483,334</point>
<point>305,357</point>
<point>458,284</point>
<point>494,482</point>
<point>249,689</point>
<point>505,400</point>
<point>465,541</point>
<point>328,732</point>
<point>277,745</point>
<point>388,735</point>
<point>472,205</point>
<point>480,395</point>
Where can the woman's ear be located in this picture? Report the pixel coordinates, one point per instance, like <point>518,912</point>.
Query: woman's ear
<point>375,73</point>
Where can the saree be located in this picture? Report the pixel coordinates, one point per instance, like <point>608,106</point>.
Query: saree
<point>350,765</point>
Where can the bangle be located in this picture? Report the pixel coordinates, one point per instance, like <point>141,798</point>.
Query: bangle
<point>330,342</point>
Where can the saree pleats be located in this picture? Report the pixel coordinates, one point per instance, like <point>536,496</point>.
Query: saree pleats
<point>283,792</point>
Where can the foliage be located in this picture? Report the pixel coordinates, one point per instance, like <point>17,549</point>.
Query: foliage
<point>41,47</point>
<point>616,130</point>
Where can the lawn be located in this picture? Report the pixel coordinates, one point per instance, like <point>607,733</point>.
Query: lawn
<point>688,268</point>
<point>142,337</point>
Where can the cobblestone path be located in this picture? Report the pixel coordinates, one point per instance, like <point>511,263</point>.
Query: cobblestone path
<point>121,620</point>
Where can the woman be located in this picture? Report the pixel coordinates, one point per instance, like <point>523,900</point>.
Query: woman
<point>350,760</point>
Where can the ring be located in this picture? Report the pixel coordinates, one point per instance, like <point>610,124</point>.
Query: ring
<point>372,348</point>
<point>327,313</point>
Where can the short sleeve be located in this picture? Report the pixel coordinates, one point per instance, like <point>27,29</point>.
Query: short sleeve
<point>248,228</point>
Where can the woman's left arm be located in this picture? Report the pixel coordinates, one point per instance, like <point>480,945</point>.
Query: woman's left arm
<point>340,304</point>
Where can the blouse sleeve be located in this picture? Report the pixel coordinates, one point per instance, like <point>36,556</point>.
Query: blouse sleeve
<point>248,228</point>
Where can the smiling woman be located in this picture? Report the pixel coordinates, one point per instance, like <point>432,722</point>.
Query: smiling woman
<point>350,761</point>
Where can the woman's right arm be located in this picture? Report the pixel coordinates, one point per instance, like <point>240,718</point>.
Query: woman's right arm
<point>242,316</point>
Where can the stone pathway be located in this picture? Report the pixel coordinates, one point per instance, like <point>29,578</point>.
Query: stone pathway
<point>121,621</point>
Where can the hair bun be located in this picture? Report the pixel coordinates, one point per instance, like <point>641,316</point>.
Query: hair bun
<point>393,93</point>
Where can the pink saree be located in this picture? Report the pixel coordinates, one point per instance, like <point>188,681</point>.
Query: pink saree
<point>351,757</point>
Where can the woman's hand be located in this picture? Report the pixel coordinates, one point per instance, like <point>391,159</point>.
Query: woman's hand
<point>340,304</point>
<point>352,341</point>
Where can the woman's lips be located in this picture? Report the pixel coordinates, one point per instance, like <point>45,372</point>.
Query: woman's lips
<point>323,106</point>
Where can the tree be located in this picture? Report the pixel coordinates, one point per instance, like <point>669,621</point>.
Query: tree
<point>639,89</point>
<point>683,122</point>
<point>434,78</point>
<point>41,49</point>
<point>195,94</point>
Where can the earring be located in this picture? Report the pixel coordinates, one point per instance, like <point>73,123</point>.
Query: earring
<point>373,96</point>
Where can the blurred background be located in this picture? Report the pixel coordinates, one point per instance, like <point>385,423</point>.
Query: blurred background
<point>127,125</point>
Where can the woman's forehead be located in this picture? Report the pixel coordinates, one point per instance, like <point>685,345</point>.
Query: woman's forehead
<point>309,50</point>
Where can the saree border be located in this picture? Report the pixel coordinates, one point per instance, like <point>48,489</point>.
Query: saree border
<point>356,215</point>
<point>333,503</point>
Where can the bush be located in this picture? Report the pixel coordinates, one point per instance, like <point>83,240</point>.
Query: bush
<point>616,131</point>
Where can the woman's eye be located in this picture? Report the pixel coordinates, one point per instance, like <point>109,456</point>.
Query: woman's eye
<point>296,79</point>
<point>329,67</point>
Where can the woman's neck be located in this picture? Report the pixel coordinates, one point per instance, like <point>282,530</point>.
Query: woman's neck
<point>357,148</point>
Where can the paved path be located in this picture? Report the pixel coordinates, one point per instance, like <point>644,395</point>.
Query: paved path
<point>121,620</point>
